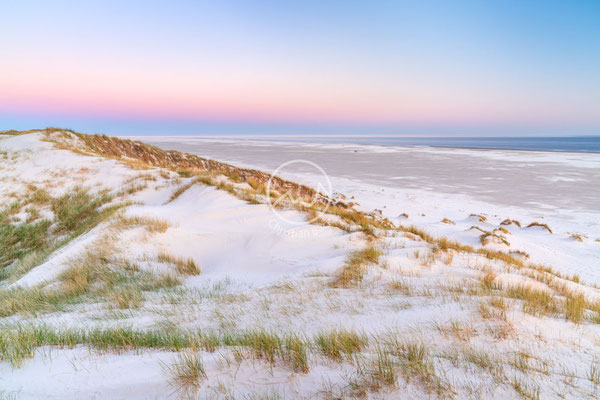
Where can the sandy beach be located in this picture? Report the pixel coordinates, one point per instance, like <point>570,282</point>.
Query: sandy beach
<point>304,200</point>
<point>430,184</point>
<point>181,271</point>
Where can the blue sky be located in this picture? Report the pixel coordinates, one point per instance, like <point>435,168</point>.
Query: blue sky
<point>338,67</point>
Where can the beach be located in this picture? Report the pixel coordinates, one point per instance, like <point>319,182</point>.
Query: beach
<point>560,189</point>
<point>129,271</point>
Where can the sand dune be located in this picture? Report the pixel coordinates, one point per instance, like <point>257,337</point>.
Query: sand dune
<point>126,280</point>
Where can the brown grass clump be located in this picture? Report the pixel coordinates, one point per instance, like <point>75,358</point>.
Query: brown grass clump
<point>370,254</point>
<point>130,297</point>
<point>448,221</point>
<point>478,228</point>
<point>520,253</point>
<point>401,286</point>
<point>416,364</point>
<point>480,217</point>
<point>353,271</point>
<point>418,232</point>
<point>366,221</point>
<point>463,331</point>
<point>76,280</point>
<point>508,221</point>
<point>577,237</point>
<point>446,244</point>
<point>449,258</point>
<point>535,223</point>
<point>154,225</point>
<point>39,196</point>
<point>535,301</point>
<point>487,280</point>
<point>488,237</point>
<point>314,218</point>
<point>85,270</point>
<point>575,306</point>
<point>256,185</point>
<point>184,266</point>
<point>499,303</point>
<point>180,190</point>
<point>501,256</point>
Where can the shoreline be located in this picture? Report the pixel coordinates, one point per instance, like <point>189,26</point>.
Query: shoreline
<point>297,140</point>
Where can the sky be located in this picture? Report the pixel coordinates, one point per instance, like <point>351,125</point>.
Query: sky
<point>429,68</point>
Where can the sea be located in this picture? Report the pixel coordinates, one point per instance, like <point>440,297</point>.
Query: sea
<point>576,144</point>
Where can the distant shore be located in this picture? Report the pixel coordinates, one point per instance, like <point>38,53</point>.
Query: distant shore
<point>568,144</point>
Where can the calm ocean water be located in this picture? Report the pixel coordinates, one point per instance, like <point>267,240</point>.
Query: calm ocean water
<point>580,144</point>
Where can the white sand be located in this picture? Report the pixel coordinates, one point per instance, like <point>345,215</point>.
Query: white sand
<point>258,272</point>
<point>558,189</point>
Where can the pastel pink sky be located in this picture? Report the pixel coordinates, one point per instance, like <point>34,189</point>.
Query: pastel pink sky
<point>364,66</point>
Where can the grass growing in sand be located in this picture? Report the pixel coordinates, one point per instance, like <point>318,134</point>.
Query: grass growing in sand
<point>545,226</point>
<point>383,362</point>
<point>25,245</point>
<point>354,269</point>
<point>187,372</point>
<point>94,275</point>
<point>185,266</point>
<point>340,343</point>
<point>180,190</point>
